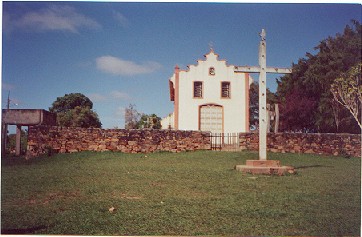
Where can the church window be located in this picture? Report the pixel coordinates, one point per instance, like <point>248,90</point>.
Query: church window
<point>225,89</point>
<point>212,71</point>
<point>197,89</point>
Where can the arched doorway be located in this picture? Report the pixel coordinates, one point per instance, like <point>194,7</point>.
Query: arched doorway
<point>211,118</point>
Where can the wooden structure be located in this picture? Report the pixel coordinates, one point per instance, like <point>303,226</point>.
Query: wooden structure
<point>262,69</point>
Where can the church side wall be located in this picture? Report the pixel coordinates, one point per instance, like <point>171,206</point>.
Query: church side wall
<point>188,113</point>
<point>43,139</point>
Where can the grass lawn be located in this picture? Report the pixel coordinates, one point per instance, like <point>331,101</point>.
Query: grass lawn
<point>191,193</point>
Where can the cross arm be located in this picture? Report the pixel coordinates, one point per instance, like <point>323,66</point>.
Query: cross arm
<point>256,69</point>
<point>279,70</point>
<point>246,69</point>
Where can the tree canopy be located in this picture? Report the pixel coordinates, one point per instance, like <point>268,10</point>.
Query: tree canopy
<point>307,102</point>
<point>70,101</point>
<point>149,121</point>
<point>75,110</point>
<point>347,90</point>
<point>254,103</point>
<point>136,120</point>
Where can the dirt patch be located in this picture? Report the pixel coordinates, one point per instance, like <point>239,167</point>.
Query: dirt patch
<point>53,196</point>
<point>131,197</point>
<point>126,196</point>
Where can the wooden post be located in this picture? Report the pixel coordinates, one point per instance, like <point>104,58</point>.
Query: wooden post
<point>269,115</point>
<point>263,115</point>
<point>263,166</point>
<point>262,69</point>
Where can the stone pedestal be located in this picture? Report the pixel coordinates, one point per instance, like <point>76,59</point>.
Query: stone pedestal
<point>268,167</point>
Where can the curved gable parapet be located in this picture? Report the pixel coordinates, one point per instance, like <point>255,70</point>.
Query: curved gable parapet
<point>211,52</point>
<point>209,56</point>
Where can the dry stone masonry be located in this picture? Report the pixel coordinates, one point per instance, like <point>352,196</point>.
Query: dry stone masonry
<point>42,139</point>
<point>308,143</point>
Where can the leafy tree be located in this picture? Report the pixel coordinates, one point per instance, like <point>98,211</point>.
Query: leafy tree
<point>136,120</point>
<point>70,101</point>
<point>149,121</point>
<point>79,117</point>
<point>75,110</point>
<point>297,107</point>
<point>347,90</point>
<point>312,77</point>
<point>254,103</point>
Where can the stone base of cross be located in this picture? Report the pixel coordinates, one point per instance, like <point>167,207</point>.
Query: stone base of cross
<point>263,166</point>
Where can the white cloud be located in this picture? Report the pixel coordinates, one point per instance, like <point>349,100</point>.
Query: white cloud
<point>120,18</point>
<point>121,67</point>
<point>120,95</point>
<point>114,95</point>
<point>96,97</point>
<point>54,17</point>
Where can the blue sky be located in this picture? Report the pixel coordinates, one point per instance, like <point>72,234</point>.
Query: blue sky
<point>124,53</point>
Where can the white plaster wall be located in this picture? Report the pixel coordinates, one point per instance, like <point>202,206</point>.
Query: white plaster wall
<point>234,108</point>
<point>168,121</point>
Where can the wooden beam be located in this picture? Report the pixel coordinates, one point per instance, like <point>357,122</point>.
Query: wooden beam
<point>256,69</point>
<point>279,70</point>
<point>241,69</point>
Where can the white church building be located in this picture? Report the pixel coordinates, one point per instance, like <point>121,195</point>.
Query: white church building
<point>209,96</point>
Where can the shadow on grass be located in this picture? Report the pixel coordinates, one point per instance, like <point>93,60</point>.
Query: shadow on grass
<point>312,166</point>
<point>23,231</point>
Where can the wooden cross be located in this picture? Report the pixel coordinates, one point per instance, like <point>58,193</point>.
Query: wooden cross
<point>262,69</point>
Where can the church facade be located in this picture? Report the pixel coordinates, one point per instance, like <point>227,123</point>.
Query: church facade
<point>209,96</point>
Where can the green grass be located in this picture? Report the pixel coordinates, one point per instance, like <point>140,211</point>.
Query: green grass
<point>191,193</point>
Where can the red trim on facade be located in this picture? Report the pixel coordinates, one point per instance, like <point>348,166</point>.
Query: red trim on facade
<point>172,90</point>
<point>247,102</point>
<point>177,95</point>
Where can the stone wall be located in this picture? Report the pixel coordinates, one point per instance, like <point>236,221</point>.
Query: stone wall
<point>44,139</point>
<point>310,143</point>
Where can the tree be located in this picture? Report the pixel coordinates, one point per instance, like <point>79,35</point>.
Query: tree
<point>70,101</point>
<point>254,103</point>
<point>347,90</point>
<point>136,120</point>
<point>312,77</point>
<point>149,121</point>
<point>296,112</point>
<point>131,117</point>
<point>75,110</point>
